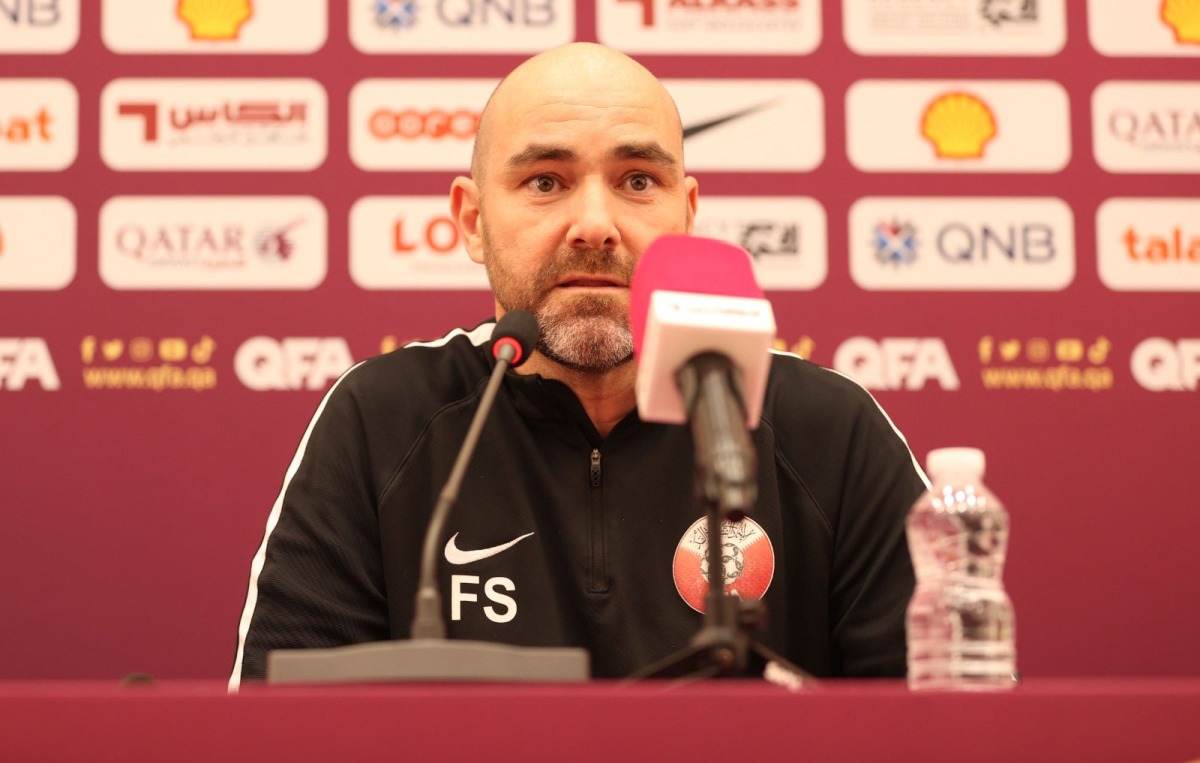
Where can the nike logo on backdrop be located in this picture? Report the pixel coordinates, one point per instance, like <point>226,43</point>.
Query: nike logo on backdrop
<point>700,127</point>
<point>455,555</point>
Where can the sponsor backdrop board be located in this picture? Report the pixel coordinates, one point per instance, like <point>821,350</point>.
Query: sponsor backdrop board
<point>985,211</point>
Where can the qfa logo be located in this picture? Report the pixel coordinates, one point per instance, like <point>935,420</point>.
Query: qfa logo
<point>896,363</point>
<point>26,360</point>
<point>292,363</point>
<point>1161,365</point>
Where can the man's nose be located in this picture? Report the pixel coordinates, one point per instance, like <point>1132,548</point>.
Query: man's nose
<point>593,217</point>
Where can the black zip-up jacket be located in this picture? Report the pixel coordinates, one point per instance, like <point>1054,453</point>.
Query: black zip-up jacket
<point>564,538</point>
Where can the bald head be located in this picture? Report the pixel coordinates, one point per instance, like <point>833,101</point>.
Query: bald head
<point>577,72</point>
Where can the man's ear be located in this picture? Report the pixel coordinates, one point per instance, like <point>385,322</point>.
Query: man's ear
<point>691,187</point>
<point>464,208</point>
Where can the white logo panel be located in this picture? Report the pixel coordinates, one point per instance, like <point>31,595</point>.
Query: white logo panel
<point>958,126</point>
<point>747,27</point>
<point>1145,28</point>
<point>409,242</point>
<point>956,244</point>
<point>461,26</point>
<point>212,242</point>
<point>955,27</point>
<point>785,235</point>
<point>1149,244</point>
<point>214,26</point>
<point>1147,126</point>
<point>39,124</point>
<point>411,124</point>
<point>37,242</point>
<point>750,125</point>
<point>38,26</point>
<point>213,124</point>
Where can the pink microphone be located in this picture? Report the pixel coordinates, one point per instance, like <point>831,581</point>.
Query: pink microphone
<point>689,296</point>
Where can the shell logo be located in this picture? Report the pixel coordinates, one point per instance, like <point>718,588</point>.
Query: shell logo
<point>1183,16</point>
<point>214,19</point>
<point>958,125</point>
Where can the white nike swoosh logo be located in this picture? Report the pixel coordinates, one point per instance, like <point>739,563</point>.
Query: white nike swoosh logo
<point>455,555</point>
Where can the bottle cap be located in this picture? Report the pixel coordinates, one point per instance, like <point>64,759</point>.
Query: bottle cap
<point>955,463</point>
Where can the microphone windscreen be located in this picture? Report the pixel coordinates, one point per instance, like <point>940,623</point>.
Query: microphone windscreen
<point>692,265</point>
<point>519,329</point>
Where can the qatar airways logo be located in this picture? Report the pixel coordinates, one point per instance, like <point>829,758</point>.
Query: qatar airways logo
<point>416,124</point>
<point>409,242</point>
<point>728,26</point>
<point>1147,126</point>
<point>213,124</point>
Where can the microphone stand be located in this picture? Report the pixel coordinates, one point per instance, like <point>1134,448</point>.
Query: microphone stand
<point>726,487</point>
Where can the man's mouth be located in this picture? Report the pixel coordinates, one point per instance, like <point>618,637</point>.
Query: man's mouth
<point>590,282</point>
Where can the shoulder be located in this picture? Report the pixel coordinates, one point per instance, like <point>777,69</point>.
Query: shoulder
<point>799,387</point>
<point>447,367</point>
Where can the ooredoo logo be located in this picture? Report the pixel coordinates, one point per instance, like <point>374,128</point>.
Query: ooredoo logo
<point>896,363</point>
<point>728,26</point>
<point>409,242</point>
<point>1147,126</point>
<point>38,26</point>
<point>214,26</point>
<point>955,27</point>
<point>213,125</point>
<point>1149,244</point>
<point>263,363</point>
<point>39,124</point>
<point>954,243</point>
<point>461,26</point>
<point>747,562</point>
<point>24,360</point>
<point>1162,365</point>
<point>411,124</point>
<point>219,242</point>
<point>958,126</point>
<point>37,242</point>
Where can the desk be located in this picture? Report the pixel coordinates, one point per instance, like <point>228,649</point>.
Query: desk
<point>729,721</point>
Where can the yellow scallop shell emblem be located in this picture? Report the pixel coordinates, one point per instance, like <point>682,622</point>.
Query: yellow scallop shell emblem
<point>1183,16</point>
<point>214,19</point>
<point>958,125</point>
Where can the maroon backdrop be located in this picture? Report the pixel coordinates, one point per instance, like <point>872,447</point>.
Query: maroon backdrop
<point>130,516</point>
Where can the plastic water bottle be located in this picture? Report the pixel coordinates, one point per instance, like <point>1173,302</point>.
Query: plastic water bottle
<point>960,621</point>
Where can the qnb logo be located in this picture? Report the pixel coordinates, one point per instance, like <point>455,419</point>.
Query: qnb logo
<point>468,13</point>
<point>34,13</point>
<point>896,363</point>
<point>26,360</point>
<point>895,243</point>
<point>1161,365</point>
<point>411,124</point>
<point>460,593</point>
<point>438,235</point>
<point>293,363</point>
<point>958,125</point>
<point>1027,242</point>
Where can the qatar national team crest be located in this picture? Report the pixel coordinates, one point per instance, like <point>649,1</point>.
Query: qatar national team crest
<point>747,555</point>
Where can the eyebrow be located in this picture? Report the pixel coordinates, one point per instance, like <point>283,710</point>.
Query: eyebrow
<point>649,151</point>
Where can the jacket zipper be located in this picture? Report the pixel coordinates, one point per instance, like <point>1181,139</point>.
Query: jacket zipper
<point>599,575</point>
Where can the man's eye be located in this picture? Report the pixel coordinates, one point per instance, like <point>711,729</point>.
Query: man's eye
<point>640,182</point>
<point>542,184</point>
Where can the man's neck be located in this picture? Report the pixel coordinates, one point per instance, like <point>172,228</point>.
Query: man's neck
<point>607,397</point>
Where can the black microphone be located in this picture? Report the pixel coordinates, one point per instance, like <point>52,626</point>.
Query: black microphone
<point>513,341</point>
<point>429,655</point>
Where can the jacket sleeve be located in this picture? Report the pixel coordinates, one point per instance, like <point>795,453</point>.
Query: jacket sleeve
<point>317,580</point>
<point>872,577</point>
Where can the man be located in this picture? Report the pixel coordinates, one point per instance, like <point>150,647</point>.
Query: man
<point>576,524</point>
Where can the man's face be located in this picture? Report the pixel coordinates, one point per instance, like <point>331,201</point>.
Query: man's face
<point>576,183</point>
